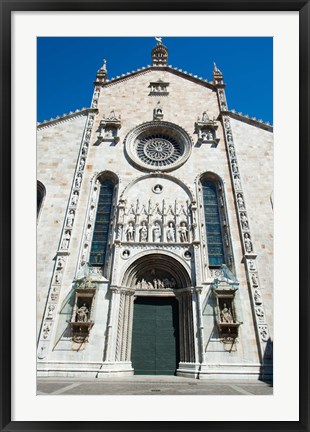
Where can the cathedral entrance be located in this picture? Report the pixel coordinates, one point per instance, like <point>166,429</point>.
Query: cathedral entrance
<point>155,336</point>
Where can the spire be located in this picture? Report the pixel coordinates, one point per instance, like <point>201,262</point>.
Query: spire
<point>159,53</point>
<point>217,76</point>
<point>102,73</point>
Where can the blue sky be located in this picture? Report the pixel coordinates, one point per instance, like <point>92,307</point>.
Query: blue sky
<point>67,66</point>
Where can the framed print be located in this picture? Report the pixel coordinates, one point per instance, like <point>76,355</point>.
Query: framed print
<point>153,279</point>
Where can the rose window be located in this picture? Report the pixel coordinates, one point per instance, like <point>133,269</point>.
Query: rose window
<point>154,146</point>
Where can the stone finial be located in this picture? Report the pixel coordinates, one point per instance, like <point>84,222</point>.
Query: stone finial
<point>159,53</point>
<point>217,76</point>
<point>102,73</point>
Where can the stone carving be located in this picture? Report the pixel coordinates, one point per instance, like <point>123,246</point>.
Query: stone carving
<point>156,283</point>
<point>143,232</point>
<point>247,243</point>
<point>126,254</point>
<point>91,213</point>
<point>237,182</point>
<point>74,198</point>
<point>227,123</point>
<point>244,221</point>
<point>254,279</point>
<point>82,164</point>
<point>90,122</point>
<point>54,294</point>
<point>158,112</point>
<point>88,232</point>
<point>95,104</point>
<point>84,149</point>
<point>232,151</point>
<point>170,232</point>
<point>229,136</point>
<point>58,277</point>
<point>94,195</point>
<point>82,314</point>
<point>183,232</point>
<point>240,202</point>
<point>46,330</point>
<point>252,265</point>
<point>87,136</point>
<point>156,232</point>
<point>234,166</point>
<point>70,219</point>
<point>130,232</point>
<point>60,263</point>
<point>66,240</point>
<point>205,117</point>
<point>226,240</point>
<point>157,188</point>
<point>78,181</point>
<point>50,311</point>
<point>84,254</point>
<point>225,315</point>
<point>257,297</point>
<point>260,313</point>
<point>187,254</point>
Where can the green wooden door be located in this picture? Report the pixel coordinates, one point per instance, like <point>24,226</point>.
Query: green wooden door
<point>155,336</point>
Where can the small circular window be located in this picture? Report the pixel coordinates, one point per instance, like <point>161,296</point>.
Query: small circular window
<point>156,146</point>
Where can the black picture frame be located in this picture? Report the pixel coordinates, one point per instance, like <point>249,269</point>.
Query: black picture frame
<point>7,7</point>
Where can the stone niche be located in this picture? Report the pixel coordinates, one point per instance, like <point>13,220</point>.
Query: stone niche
<point>81,321</point>
<point>225,311</point>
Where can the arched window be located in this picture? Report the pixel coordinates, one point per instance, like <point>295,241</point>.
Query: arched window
<point>213,222</point>
<point>102,222</point>
<point>41,191</point>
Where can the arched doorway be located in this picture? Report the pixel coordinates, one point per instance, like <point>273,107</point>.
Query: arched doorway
<point>155,321</point>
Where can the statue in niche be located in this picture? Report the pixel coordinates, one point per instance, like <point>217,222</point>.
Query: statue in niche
<point>240,201</point>
<point>183,233</point>
<point>94,195</point>
<point>95,104</point>
<point>87,136</point>
<point>82,163</point>
<point>109,133</point>
<point>225,315</point>
<point>78,181</point>
<point>252,265</point>
<point>158,109</point>
<point>50,311</point>
<point>58,277</point>
<point>263,331</point>
<point>82,314</point>
<point>229,136</point>
<point>156,232</point>
<point>84,149</point>
<point>88,232</point>
<point>143,232</point>
<point>91,213</point>
<point>60,263</point>
<point>66,240</point>
<point>247,243</point>
<point>244,221</point>
<point>234,166</point>
<point>90,122</point>
<point>237,182</point>
<point>74,198</point>
<point>70,218</point>
<point>227,123</point>
<point>170,232</point>
<point>257,297</point>
<point>260,313</point>
<point>232,151</point>
<point>254,279</point>
<point>130,232</point>
<point>209,135</point>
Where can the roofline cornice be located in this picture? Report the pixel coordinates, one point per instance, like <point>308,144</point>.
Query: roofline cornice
<point>66,117</point>
<point>246,119</point>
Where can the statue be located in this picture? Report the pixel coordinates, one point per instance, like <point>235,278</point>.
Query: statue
<point>209,135</point>
<point>58,277</point>
<point>254,279</point>
<point>143,232</point>
<point>66,240</point>
<point>159,40</point>
<point>170,232</point>
<point>234,166</point>
<point>74,198</point>
<point>156,232</point>
<point>78,181</point>
<point>244,221</point>
<point>82,163</point>
<point>205,116</point>
<point>237,182</point>
<point>240,201</point>
<point>248,243</point>
<point>70,219</point>
<point>183,233</point>
<point>226,316</point>
<point>130,232</point>
<point>82,314</point>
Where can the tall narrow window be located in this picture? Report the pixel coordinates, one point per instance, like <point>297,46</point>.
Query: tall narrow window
<point>213,223</point>
<point>40,196</point>
<point>102,224</point>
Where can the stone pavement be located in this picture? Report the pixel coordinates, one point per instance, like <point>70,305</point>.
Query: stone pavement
<point>149,385</point>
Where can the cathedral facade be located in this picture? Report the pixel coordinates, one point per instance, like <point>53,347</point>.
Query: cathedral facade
<point>155,232</point>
